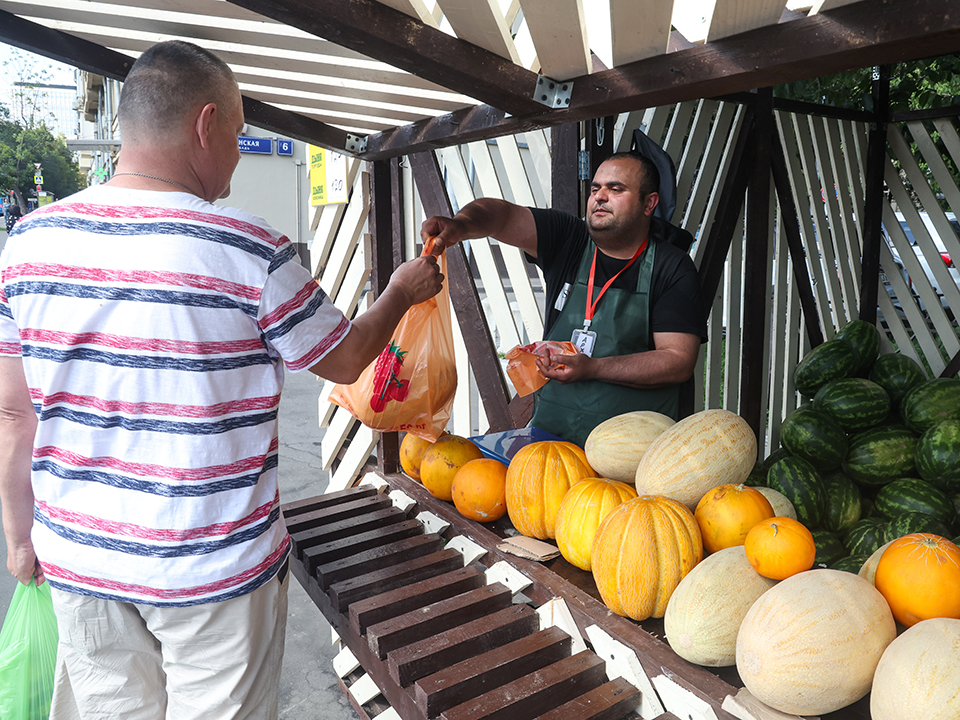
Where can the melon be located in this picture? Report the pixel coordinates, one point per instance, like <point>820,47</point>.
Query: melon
<point>705,611</point>
<point>868,571</point>
<point>615,446</point>
<point>811,643</point>
<point>707,449</point>
<point>782,507</point>
<point>919,674</point>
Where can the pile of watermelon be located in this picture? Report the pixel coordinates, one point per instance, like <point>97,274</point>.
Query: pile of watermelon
<point>874,452</point>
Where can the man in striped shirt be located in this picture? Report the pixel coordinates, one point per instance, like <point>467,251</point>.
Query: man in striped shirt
<point>143,337</point>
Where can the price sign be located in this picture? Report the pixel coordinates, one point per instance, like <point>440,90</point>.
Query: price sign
<point>328,177</point>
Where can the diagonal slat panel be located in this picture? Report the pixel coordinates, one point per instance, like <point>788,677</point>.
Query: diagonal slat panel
<point>559,34</point>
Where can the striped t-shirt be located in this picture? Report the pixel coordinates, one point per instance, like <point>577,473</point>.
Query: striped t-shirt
<point>152,327</point>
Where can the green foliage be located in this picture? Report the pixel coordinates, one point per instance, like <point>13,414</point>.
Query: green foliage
<point>914,85</point>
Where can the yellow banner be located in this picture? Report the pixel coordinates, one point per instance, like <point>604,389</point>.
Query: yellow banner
<point>328,176</point>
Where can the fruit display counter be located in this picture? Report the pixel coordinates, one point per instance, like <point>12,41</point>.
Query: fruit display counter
<point>438,619</point>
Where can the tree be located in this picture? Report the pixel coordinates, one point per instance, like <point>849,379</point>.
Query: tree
<point>26,139</point>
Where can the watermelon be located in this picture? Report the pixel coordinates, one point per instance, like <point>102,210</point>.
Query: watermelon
<point>908,523</point>
<point>896,374</point>
<point>865,339</point>
<point>855,403</point>
<point>930,402</point>
<point>814,436</point>
<point>938,455</point>
<point>779,454</point>
<point>829,548</point>
<point>828,361</point>
<point>868,508</point>
<point>881,454</point>
<point>800,483</point>
<point>842,509</point>
<point>910,495</point>
<point>866,536</point>
<point>850,563</point>
<point>757,476</point>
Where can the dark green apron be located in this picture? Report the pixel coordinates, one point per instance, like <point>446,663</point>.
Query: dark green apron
<point>622,325</point>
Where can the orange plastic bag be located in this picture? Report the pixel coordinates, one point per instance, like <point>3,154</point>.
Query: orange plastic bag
<point>410,386</point>
<point>522,363</point>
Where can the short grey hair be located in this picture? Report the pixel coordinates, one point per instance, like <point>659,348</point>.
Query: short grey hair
<point>167,82</point>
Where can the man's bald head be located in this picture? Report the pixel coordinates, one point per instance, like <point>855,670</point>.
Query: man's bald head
<point>166,85</point>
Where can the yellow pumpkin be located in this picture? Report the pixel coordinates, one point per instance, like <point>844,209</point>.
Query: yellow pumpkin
<point>811,643</point>
<point>583,508</point>
<point>538,477</point>
<point>709,448</point>
<point>919,575</point>
<point>615,447</point>
<point>643,549</point>
<point>919,674</point>
<point>727,513</point>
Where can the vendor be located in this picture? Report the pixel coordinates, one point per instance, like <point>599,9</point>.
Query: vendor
<point>617,288</point>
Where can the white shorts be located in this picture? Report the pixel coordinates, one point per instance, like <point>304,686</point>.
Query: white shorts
<point>214,661</point>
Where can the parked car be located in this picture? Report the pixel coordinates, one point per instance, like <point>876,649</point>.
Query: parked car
<point>944,251</point>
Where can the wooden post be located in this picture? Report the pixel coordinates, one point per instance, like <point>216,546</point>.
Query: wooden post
<point>564,185</point>
<point>756,317</point>
<point>873,195</point>
<point>386,231</point>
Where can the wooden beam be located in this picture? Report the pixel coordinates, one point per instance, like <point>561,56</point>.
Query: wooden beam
<point>717,242</point>
<point>383,33</point>
<point>756,288</point>
<point>791,229</point>
<point>856,35</point>
<point>873,196</point>
<point>463,293</point>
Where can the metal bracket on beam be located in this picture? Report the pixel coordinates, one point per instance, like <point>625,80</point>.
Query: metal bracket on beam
<point>552,93</point>
<point>356,144</point>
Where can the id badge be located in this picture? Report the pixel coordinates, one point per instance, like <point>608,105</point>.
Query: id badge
<point>584,341</point>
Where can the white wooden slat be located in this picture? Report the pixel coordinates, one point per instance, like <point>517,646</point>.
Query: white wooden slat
<point>354,280</point>
<point>921,234</point>
<point>912,265</point>
<point>348,236</point>
<point>539,168</point>
<point>517,267</point>
<point>673,142</point>
<point>713,384</point>
<point>900,329</point>
<point>559,33</point>
<point>335,435</point>
<point>639,30</point>
<point>789,132</point>
<point>949,138</point>
<point>482,23</point>
<point>854,141</point>
<point>733,300</point>
<point>948,186</point>
<point>624,127</point>
<point>325,408</point>
<point>851,252</point>
<point>655,122</point>
<point>412,214</point>
<point>731,17</point>
<point>414,8</point>
<point>358,452</point>
<point>778,361</point>
<point>461,414</point>
<point>821,5</point>
<point>847,309</point>
<point>766,391</point>
<point>692,152</point>
<point>714,165</point>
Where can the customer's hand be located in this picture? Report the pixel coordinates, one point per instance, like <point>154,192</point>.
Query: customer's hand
<point>418,279</point>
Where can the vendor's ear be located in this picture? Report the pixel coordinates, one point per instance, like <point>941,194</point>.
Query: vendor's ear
<point>650,203</point>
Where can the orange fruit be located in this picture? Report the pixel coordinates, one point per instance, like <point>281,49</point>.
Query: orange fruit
<point>780,547</point>
<point>411,454</point>
<point>728,512</point>
<point>480,490</point>
<point>919,576</point>
<point>441,462</point>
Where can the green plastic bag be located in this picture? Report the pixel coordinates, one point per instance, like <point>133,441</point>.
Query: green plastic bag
<point>28,654</point>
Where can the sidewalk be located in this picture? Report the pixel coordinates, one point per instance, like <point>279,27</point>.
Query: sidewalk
<point>308,686</point>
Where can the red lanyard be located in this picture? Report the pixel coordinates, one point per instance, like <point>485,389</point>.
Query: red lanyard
<point>592,304</point>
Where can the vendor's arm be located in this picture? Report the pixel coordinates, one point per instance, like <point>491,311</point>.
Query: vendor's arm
<point>485,217</point>
<point>671,362</point>
<point>412,283</point>
<point>18,425</point>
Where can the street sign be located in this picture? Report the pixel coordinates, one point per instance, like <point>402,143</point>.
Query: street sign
<point>284,147</point>
<point>256,145</point>
<point>38,179</point>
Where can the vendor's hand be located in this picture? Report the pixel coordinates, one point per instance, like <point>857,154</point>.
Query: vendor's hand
<point>418,279</point>
<point>446,232</point>
<point>22,564</point>
<point>565,368</point>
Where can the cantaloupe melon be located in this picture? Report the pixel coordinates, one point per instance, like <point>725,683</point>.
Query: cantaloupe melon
<point>811,643</point>
<point>919,674</point>
<point>868,570</point>
<point>705,611</point>
<point>782,507</point>
<point>707,449</point>
<point>615,446</point>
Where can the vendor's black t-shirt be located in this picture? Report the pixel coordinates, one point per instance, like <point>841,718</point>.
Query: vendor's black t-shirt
<point>676,304</point>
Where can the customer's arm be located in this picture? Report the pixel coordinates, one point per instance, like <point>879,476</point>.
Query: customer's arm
<point>18,425</point>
